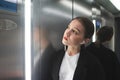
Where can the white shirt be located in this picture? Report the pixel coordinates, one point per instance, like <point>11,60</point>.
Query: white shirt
<point>68,66</point>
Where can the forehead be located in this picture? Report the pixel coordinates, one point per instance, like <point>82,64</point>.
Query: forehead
<point>76,23</point>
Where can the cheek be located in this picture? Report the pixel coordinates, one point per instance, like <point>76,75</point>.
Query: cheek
<point>76,40</point>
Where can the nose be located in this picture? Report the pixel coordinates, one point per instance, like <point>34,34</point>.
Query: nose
<point>68,33</point>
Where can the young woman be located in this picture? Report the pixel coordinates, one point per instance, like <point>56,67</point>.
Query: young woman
<point>75,63</point>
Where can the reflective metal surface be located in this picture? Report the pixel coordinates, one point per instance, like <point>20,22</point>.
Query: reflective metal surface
<point>49,20</point>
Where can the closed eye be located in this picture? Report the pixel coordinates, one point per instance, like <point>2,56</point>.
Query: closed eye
<point>75,31</point>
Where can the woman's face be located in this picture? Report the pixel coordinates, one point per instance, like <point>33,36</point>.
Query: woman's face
<point>74,34</point>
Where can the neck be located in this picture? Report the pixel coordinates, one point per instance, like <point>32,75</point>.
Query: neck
<point>73,50</point>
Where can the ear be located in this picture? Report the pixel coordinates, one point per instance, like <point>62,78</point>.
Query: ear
<point>87,40</point>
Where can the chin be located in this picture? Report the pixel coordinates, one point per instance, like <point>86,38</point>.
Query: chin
<point>64,42</point>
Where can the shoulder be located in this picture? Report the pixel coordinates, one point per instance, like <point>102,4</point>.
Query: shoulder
<point>92,63</point>
<point>109,52</point>
<point>92,48</point>
<point>91,58</point>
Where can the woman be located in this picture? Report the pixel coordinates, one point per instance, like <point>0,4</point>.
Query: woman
<point>75,63</point>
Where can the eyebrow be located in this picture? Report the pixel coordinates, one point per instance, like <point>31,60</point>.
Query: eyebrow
<point>77,29</point>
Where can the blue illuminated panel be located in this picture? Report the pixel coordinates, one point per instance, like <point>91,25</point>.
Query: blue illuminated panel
<point>98,25</point>
<point>5,5</point>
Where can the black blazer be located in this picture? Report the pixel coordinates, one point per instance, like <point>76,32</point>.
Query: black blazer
<point>108,60</point>
<point>88,67</point>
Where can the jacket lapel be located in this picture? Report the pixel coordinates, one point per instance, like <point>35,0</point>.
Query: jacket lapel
<point>81,69</point>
